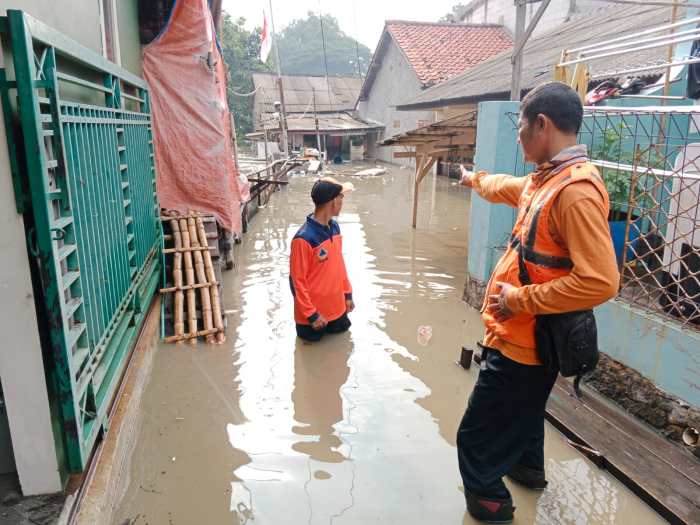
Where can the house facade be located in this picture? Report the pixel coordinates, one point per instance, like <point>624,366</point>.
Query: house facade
<point>503,12</point>
<point>311,103</point>
<point>411,57</point>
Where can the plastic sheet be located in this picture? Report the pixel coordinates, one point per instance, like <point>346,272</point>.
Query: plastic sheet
<point>192,125</point>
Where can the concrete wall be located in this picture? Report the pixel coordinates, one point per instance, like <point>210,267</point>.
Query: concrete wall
<point>21,361</point>
<point>503,12</point>
<point>129,44</point>
<point>655,347</point>
<point>395,82</point>
<point>78,19</point>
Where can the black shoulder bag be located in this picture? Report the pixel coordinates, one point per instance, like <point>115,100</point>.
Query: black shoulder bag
<point>567,341</point>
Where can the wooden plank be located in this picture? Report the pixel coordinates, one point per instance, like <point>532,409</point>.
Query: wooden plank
<point>190,249</point>
<point>664,476</point>
<point>188,287</point>
<point>405,155</point>
<point>426,169</point>
<point>193,335</point>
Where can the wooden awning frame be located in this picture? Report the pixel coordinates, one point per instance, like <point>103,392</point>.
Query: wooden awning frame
<point>455,136</point>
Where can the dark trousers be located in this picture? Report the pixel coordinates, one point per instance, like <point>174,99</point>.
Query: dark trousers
<point>337,326</point>
<point>504,423</point>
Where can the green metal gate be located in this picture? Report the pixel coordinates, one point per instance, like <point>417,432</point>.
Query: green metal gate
<point>82,162</point>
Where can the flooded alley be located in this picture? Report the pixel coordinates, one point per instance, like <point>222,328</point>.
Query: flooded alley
<point>359,428</point>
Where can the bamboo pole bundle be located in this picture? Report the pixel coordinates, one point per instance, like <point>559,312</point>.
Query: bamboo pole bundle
<point>177,280</point>
<point>172,289</point>
<point>189,274</point>
<point>183,250</point>
<point>192,336</point>
<point>202,278</point>
<point>214,290</point>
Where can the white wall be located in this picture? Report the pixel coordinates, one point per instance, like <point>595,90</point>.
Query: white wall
<point>396,82</point>
<point>503,12</point>
<point>21,364</point>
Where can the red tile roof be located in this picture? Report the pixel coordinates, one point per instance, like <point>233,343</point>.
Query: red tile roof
<point>440,51</point>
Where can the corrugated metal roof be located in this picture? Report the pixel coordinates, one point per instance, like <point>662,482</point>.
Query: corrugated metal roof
<point>491,80</point>
<point>338,94</point>
<point>340,122</point>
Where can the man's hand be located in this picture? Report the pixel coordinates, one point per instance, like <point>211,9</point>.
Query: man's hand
<point>467,178</point>
<point>349,305</point>
<point>496,304</point>
<point>319,324</point>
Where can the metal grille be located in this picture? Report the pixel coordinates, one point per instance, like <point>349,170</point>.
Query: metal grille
<point>87,185</point>
<point>650,161</point>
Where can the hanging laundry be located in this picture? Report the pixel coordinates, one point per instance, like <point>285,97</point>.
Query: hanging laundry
<point>607,89</point>
<point>693,87</point>
<point>632,86</point>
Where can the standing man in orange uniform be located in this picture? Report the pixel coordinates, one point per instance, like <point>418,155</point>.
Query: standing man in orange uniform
<point>560,259</point>
<point>318,278</point>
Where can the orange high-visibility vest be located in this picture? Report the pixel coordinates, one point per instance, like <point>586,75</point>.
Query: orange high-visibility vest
<point>543,257</point>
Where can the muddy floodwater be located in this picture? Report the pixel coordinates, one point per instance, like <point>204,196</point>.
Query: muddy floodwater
<point>359,428</point>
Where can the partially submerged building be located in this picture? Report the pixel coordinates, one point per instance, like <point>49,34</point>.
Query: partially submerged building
<point>323,104</point>
<point>410,58</point>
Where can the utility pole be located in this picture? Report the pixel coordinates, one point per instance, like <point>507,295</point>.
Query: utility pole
<point>517,59</point>
<point>318,134</point>
<point>283,110</point>
<point>521,37</point>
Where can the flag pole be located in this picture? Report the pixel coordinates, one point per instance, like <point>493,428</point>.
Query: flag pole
<point>283,111</point>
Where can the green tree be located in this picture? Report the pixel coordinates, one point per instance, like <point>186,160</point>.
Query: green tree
<point>301,49</point>
<point>241,52</point>
<point>456,15</point>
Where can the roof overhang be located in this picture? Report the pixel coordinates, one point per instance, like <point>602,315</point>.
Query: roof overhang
<point>452,136</point>
<point>456,101</point>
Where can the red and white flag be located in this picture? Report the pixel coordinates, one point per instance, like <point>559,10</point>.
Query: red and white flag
<point>266,44</point>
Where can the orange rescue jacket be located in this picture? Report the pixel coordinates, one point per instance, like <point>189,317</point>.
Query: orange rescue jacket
<point>544,258</point>
<point>317,274</point>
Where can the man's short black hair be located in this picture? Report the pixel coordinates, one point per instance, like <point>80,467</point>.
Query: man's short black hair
<point>558,102</point>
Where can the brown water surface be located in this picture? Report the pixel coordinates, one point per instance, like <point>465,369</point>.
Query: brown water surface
<point>359,428</point>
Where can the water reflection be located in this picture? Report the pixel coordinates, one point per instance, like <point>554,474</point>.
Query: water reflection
<point>320,370</point>
<point>578,495</point>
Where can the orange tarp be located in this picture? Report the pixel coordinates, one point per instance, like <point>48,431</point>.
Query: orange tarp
<point>192,126</point>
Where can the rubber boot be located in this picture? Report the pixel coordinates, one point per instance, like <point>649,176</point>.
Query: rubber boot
<point>530,478</point>
<point>490,510</point>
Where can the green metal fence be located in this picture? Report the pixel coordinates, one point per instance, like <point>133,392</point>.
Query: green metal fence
<point>82,160</point>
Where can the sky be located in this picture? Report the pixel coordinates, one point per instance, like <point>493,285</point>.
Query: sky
<point>361,19</point>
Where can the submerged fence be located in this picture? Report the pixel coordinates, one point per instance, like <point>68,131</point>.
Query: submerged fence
<point>649,159</point>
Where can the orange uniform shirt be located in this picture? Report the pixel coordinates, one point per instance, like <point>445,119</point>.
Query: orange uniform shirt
<point>578,222</point>
<point>317,274</point>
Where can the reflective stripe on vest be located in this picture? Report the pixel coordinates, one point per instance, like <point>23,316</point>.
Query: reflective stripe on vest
<point>533,253</point>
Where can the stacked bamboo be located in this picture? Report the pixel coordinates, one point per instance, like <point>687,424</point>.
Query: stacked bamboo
<point>190,243</point>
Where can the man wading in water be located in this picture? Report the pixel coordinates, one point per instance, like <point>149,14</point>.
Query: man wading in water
<point>561,244</point>
<point>317,276</point>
